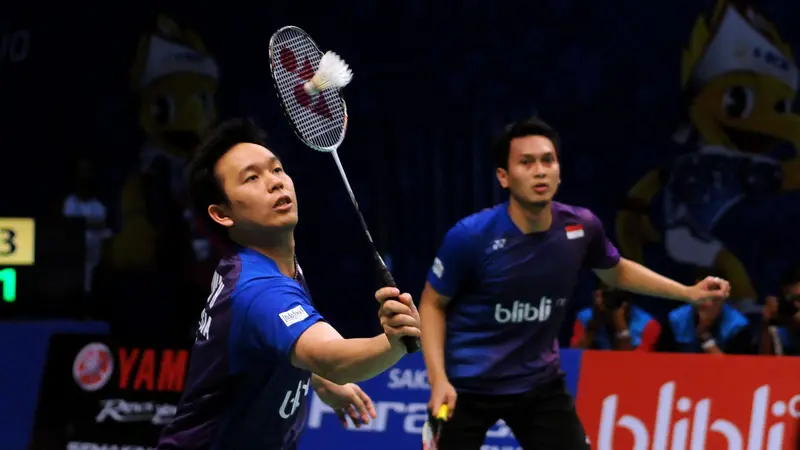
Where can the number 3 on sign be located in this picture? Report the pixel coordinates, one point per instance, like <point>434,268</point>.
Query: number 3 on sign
<point>16,241</point>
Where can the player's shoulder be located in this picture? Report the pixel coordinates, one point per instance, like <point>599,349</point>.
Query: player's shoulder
<point>572,214</point>
<point>257,268</point>
<point>482,222</point>
<point>260,277</point>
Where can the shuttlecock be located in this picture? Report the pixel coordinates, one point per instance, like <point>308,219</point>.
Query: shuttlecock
<point>333,73</point>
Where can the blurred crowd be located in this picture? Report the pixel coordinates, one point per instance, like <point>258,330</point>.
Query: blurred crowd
<point>615,321</point>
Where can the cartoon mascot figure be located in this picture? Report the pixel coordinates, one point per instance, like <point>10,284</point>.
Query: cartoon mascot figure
<point>740,80</point>
<point>175,80</point>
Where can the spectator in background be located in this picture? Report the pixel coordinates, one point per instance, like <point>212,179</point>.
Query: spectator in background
<point>83,203</point>
<point>715,327</point>
<point>612,322</point>
<point>780,327</point>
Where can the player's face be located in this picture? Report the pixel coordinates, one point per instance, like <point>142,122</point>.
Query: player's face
<point>260,193</point>
<point>533,172</point>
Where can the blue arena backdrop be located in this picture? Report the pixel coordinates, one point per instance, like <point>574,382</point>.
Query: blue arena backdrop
<point>609,79</point>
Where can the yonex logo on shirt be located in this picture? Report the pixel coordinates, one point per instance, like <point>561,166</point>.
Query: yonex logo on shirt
<point>293,315</point>
<point>523,312</point>
<point>438,267</point>
<point>498,244</point>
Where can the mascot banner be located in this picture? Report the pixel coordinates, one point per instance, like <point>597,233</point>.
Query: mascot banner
<point>726,204</point>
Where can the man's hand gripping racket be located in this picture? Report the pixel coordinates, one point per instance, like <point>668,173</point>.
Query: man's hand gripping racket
<point>307,83</point>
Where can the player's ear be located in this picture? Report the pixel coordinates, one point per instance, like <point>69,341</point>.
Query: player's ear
<point>502,177</point>
<point>220,215</point>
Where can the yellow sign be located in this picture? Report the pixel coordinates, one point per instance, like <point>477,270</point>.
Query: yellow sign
<point>17,241</point>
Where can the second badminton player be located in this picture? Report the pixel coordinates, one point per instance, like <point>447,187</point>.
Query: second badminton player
<point>260,339</point>
<point>496,296</point>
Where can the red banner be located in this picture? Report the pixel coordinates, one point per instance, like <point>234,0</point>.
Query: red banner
<point>651,401</point>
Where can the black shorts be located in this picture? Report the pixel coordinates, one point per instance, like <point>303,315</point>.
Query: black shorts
<point>543,418</point>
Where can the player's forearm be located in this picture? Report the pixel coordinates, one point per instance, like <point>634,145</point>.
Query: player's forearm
<point>317,382</point>
<point>432,320</point>
<point>321,385</point>
<point>638,279</point>
<point>343,361</point>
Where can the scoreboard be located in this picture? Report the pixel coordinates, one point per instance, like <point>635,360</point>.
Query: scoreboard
<point>42,266</point>
<point>17,251</point>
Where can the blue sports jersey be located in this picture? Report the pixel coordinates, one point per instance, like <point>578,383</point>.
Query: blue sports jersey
<point>242,391</point>
<point>509,292</point>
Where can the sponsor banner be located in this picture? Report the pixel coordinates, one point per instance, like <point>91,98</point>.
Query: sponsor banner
<point>401,397</point>
<point>635,400</point>
<point>98,395</point>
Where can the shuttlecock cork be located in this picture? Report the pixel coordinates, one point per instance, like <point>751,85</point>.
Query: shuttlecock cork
<point>333,73</point>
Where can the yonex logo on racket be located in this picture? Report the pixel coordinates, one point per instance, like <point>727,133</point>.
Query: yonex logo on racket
<point>317,104</point>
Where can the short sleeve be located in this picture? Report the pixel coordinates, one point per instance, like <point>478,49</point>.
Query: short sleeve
<point>278,314</point>
<point>454,262</point>
<point>600,253</point>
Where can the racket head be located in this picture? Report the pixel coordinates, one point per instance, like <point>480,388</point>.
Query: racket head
<point>320,121</point>
<point>433,428</point>
<point>428,441</point>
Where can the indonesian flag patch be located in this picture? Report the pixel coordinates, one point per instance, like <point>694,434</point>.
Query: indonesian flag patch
<point>574,231</point>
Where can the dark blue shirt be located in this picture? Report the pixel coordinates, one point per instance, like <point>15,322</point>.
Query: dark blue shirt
<point>242,391</point>
<point>509,292</point>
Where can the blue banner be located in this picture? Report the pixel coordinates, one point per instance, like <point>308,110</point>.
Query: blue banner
<point>25,343</point>
<point>401,397</point>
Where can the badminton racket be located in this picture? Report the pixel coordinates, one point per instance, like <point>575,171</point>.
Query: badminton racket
<point>432,429</point>
<point>308,82</point>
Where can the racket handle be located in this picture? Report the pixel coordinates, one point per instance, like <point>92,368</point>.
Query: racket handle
<point>412,344</point>
<point>442,413</point>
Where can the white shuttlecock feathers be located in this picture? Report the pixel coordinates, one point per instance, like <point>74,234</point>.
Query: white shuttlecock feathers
<point>333,73</point>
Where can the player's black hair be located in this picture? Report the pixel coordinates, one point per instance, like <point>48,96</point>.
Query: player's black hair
<point>791,276</point>
<point>528,127</point>
<point>205,188</point>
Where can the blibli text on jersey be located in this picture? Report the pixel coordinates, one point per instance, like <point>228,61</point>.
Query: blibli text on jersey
<point>519,312</point>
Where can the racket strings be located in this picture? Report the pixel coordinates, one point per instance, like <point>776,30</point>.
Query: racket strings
<point>320,119</point>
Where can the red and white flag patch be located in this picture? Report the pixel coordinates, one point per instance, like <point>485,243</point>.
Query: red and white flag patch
<point>574,231</point>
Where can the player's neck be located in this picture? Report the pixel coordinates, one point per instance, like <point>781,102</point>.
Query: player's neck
<point>279,248</point>
<point>530,219</point>
<point>283,257</point>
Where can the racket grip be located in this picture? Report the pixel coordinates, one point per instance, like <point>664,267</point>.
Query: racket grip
<point>387,280</point>
<point>443,412</point>
<point>412,344</point>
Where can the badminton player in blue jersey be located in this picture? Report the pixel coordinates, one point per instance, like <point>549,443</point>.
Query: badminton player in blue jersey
<point>260,344</point>
<point>497,293</point>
